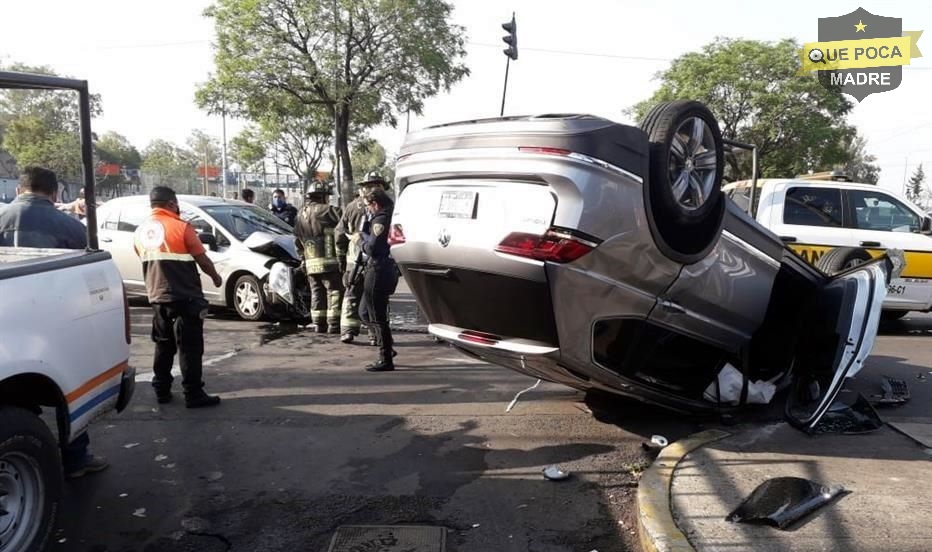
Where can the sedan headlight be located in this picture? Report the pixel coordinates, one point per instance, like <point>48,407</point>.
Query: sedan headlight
<point>280,282</point>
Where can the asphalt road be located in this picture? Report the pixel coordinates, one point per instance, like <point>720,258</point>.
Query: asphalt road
<point>306,441</point>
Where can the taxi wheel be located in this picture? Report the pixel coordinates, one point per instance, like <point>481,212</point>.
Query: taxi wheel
<point>841,259</point>
<point>247,298</point>
<point>683,197</point>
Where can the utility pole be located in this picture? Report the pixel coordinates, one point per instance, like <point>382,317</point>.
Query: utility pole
<point>905,165</point>
<point>206,190</point>
<point>223,153</point>
<point>511,52</point>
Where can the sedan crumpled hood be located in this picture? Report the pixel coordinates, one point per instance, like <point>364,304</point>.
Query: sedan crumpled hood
<point>272,245</point>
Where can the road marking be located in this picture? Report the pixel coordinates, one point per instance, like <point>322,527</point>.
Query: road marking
<point>464,361</point>
<point>146,377</point>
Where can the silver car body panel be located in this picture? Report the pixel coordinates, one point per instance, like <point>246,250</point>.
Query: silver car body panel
<point>451,262</point>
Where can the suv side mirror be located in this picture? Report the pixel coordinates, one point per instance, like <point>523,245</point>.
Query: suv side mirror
<point>926,227</point>
<point>209,240</point>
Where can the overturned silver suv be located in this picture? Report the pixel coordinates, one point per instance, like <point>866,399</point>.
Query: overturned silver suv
<point>605,256</point>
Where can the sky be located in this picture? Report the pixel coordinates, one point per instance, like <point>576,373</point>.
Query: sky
<point>146,58</point>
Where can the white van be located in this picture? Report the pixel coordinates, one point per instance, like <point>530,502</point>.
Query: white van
<point>857,221</point>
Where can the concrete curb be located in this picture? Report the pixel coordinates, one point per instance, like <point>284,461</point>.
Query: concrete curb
<point>657,529</point>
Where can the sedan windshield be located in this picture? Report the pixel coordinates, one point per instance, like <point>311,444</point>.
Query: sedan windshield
<point>242,220</point>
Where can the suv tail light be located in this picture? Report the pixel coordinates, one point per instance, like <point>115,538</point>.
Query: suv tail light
<point>396,235</point>
<point>554,246</point>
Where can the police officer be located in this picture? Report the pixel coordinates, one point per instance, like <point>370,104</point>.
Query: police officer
<point>381,276</point>
<point>171,253</point>
<point>281,208</point>
<point>314,229</point>
<point>350,224</point>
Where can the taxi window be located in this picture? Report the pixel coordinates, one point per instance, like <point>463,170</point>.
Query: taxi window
<point>879,211</point>
<point>813,207</point>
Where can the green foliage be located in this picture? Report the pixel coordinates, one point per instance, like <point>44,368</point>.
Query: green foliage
<point>361,61</point>
<point>368,155</point>
<point>752,88</point>
<point>914,187</point>
<point>41,127</point>
<point>860,165</point>
<point>169,164</point>
<point>116,149</point>
<point>247,149</point>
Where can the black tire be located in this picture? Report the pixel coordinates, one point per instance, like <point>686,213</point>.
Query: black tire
<point>841,259</point>
<point>247,306</point>
<point>31,481</point>
<point>685,224</point>
<point>892,315</point>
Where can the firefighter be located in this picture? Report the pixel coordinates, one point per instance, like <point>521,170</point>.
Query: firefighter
<point>314,229</point>
<point>353,218</point>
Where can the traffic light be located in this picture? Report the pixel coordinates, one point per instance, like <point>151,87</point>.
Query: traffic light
<point>511,39</point>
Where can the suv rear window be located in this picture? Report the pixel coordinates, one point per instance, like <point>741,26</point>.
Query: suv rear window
<point>813,207</point>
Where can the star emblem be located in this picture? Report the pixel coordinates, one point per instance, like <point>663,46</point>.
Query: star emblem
<point>860,27</point>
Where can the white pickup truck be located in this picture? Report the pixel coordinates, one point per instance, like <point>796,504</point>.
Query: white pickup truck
<point>835,224</point>
<point>64,345</point>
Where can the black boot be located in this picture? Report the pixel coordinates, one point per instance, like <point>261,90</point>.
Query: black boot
<point>384,363</point>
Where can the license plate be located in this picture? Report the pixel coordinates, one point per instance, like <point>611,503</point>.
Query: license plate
<point>896,289</point>
<point>458,204</point>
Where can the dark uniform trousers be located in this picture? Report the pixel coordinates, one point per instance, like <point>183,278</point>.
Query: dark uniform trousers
<point>326,298</point>
<point>379,283</point>
<point>178,326</point>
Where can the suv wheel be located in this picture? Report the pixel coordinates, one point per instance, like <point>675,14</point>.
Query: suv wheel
<point>684,200</point>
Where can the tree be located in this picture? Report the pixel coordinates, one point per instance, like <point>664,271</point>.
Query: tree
<point>169,164</point>
<point>42,127</point>
<point>247,149</point>
<point>362,60</point>
<point>368,155</point>
<point>914,187</point>
<point>204,147</point>
<point>115,149</point>
<point>860,165</point>
<point>753,90</point>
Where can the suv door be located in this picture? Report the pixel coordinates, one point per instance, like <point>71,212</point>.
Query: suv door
<point>879,222</point>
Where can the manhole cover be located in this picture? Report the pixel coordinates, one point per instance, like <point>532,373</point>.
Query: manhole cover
<point>388,538</point>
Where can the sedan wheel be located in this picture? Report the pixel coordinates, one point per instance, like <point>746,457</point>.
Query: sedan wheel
<point>247,298</point>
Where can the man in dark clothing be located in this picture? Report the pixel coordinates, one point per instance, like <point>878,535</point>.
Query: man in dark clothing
<point>314,230</point>
<point>281,208</point>
<point>33,221</point>
<point>381,275</point>
<point>350,224</point>
<point>171,254</point>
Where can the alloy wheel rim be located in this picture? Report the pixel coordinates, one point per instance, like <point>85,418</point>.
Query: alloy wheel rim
<point>693,163</point>
<point>247,298</point>
<point>22,500</point>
